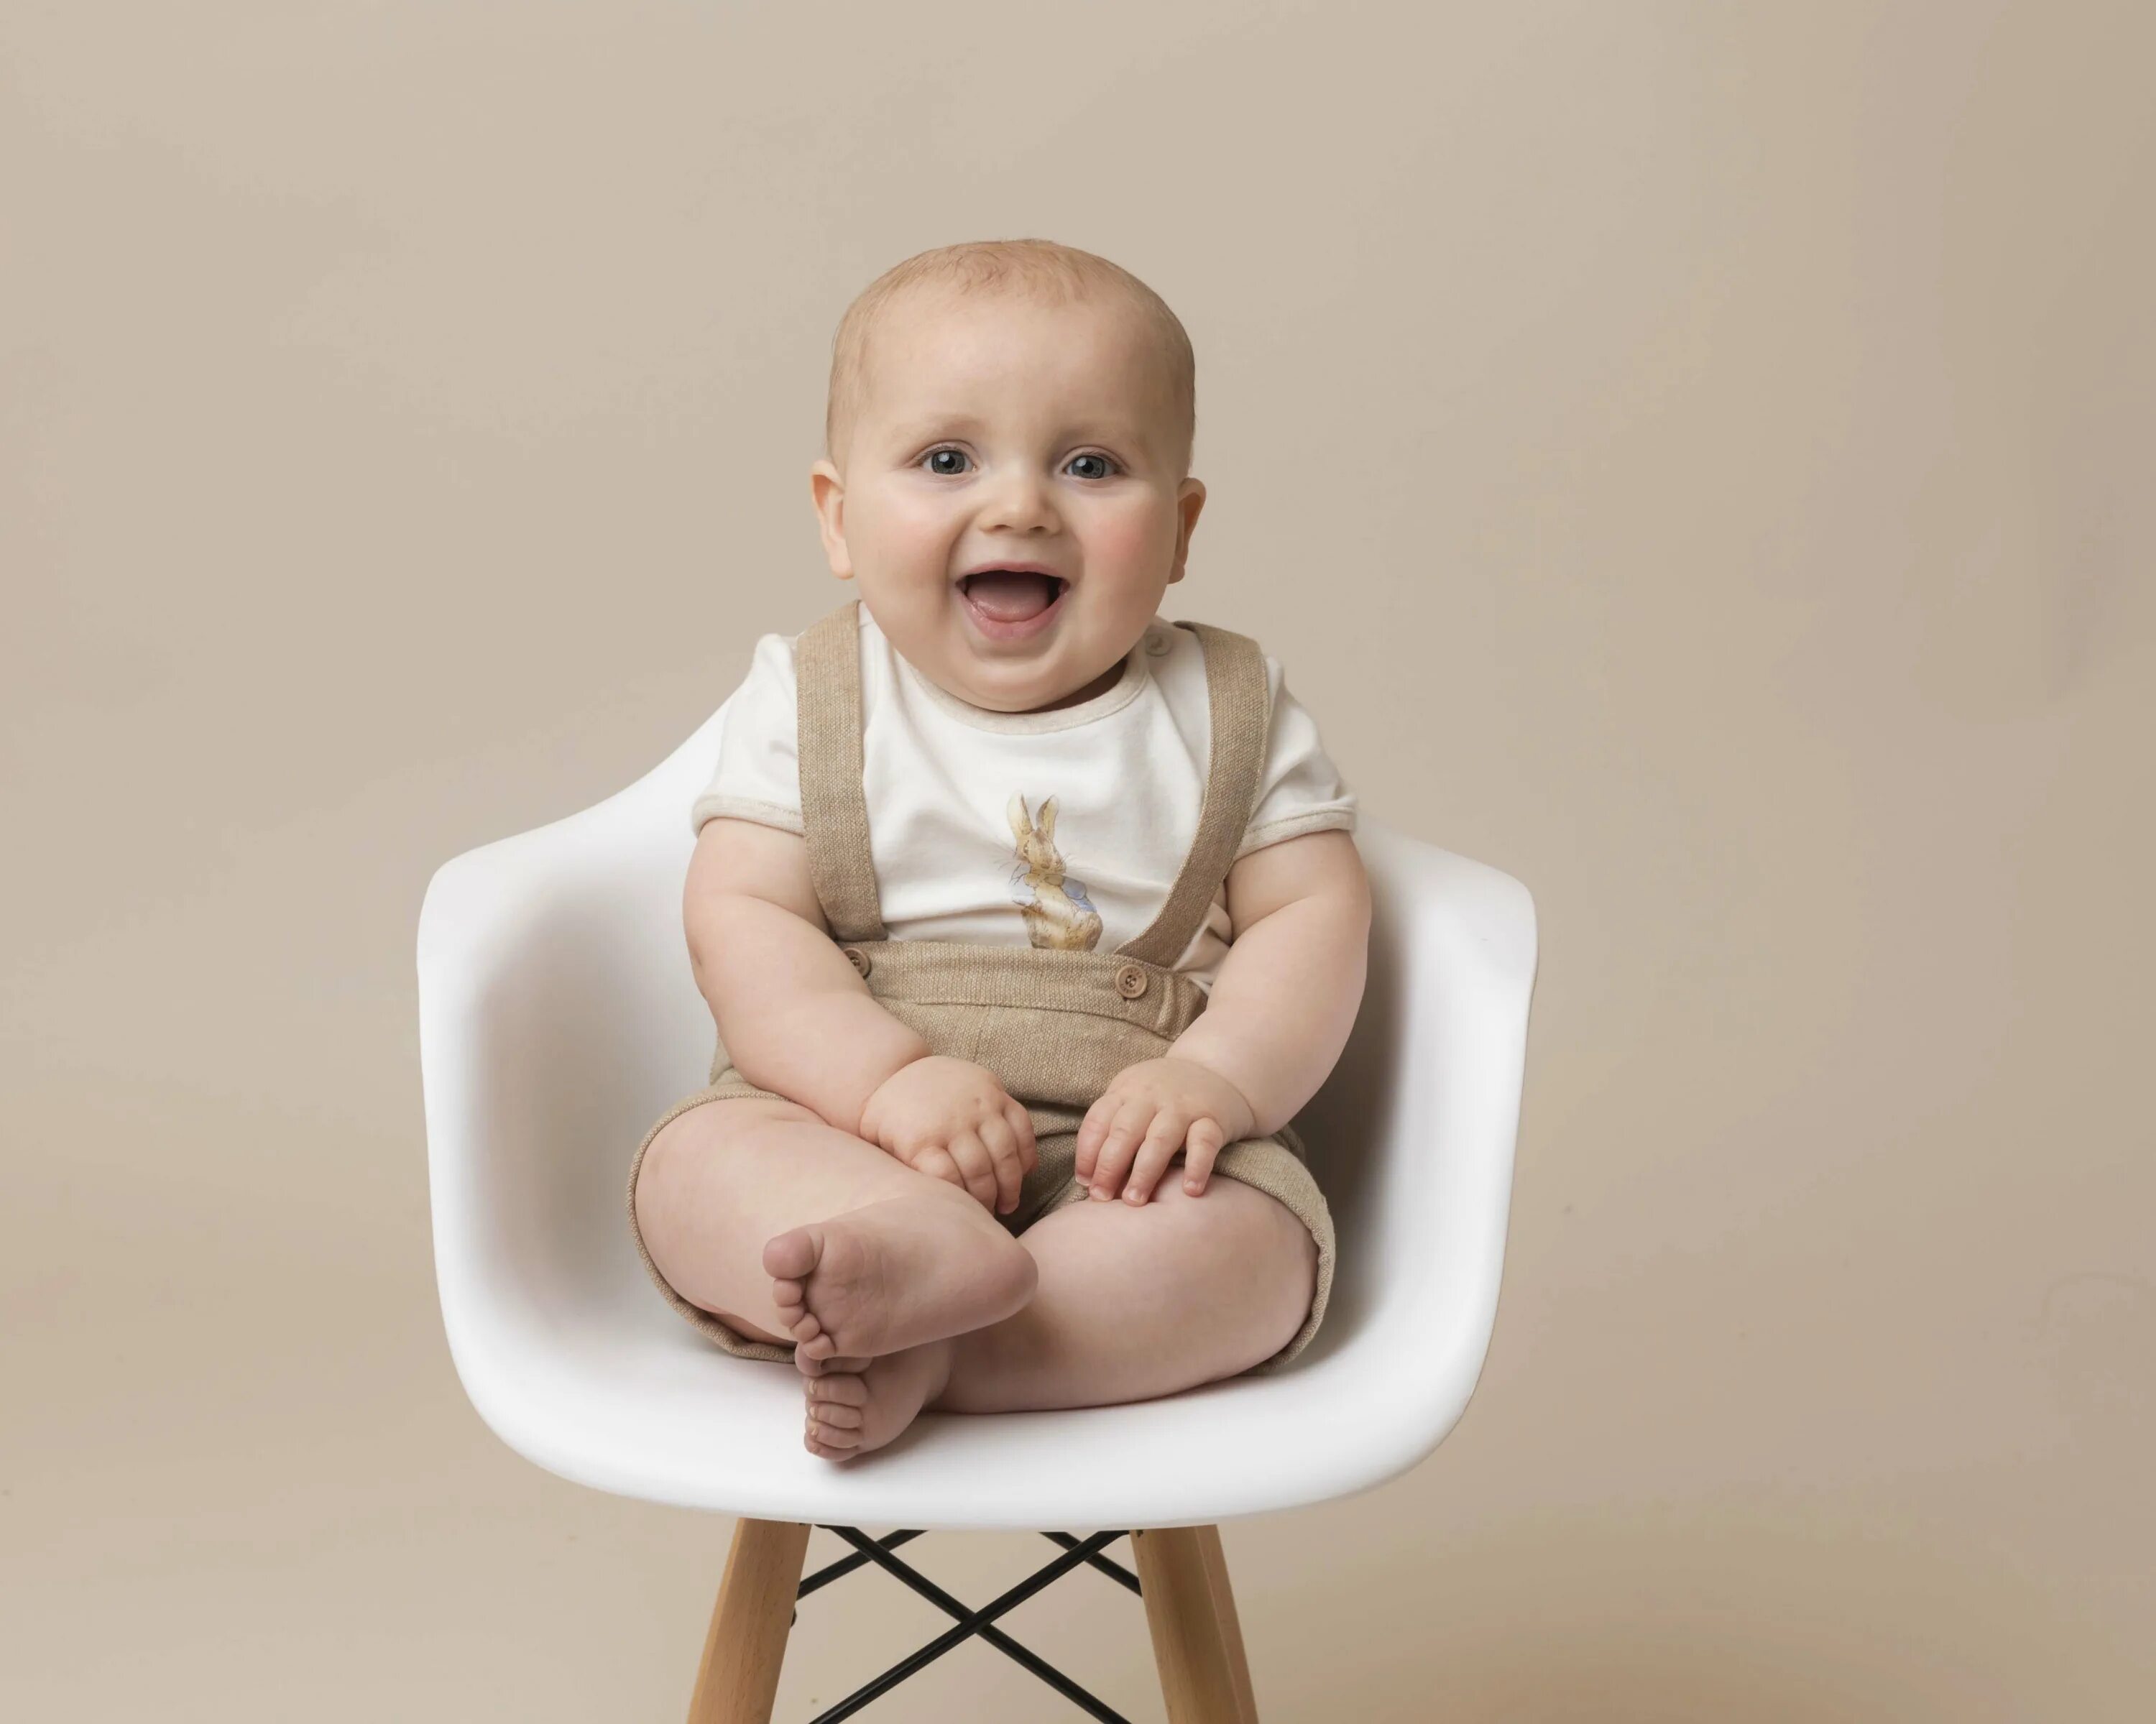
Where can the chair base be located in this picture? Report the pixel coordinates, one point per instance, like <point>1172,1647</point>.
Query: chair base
<point>1181,1575</point>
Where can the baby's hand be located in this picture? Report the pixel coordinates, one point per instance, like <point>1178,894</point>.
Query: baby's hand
<point>1150,1111</point>
<point>952,1120</point>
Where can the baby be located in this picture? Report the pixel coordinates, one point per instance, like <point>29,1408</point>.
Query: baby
<point>1008,896</point>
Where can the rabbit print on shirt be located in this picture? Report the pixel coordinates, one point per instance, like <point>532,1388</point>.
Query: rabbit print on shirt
<point>1058,915</point>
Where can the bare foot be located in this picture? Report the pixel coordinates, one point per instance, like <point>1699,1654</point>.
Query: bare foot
<point>856,1405</point>
<point>893,1274</point>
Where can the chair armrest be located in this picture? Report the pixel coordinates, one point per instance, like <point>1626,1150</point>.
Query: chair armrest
<point>1414,1132</point>
<point>557,1007</point>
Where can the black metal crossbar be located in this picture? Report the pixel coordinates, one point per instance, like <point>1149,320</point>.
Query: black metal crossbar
<point>1107,1565</point>
<point>968,1622</point>
<point>846,1565</point>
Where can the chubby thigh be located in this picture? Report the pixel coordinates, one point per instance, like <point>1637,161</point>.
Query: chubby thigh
<point>716,1179</point>
<point>1135,1301</point>
<point>1258,1165</point>
<point>719,1176</point>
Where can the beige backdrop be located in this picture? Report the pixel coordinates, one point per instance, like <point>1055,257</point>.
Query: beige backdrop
<point>1696,459</point>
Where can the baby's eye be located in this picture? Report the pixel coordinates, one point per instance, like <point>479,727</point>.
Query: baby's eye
<point>935,457</point>
<point>1102,463</point>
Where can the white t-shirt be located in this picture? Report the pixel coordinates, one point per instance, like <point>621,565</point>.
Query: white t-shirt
<point>1125,769</point>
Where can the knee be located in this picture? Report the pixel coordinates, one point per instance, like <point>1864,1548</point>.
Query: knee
<point>1290,1241</point>
<point>676,1161</point>
<point>655,1197</point>
<point>1303,1285</point>
<point>681,1155</point>
<point>1259,1235</point>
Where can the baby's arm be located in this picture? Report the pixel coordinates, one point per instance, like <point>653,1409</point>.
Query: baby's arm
<point>1288,991</point>
<point>794,1016</point>
<point>796,1019</point>
<point>1279,1013</point>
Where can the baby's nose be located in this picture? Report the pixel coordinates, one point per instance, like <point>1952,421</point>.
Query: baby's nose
<point>1018,501</point>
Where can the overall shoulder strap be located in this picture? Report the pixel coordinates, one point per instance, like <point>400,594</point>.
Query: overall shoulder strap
<point>1238,700</point>
<point>835,810</point>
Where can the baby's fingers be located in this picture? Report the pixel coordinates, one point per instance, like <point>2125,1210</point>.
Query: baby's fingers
<point>977,1165</point>
<point>1090,1130</point>
<point>1162,1140</point>
<point>1201,1149</point>
<point>1111,1162</point>
<point>1002,1149</point>
<point>1021,1124</point>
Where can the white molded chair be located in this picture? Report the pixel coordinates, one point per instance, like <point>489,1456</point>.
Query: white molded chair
<point>559,1018</point>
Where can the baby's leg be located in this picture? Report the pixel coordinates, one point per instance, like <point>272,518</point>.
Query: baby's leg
<point>1137,1301</point>
<point>1133,1302</point>
<point>790,1230</point>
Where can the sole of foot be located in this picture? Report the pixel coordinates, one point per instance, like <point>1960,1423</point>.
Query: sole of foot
<point>892,1275</point>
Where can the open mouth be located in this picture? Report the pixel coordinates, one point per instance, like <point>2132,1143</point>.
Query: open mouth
<point>1009,603</point>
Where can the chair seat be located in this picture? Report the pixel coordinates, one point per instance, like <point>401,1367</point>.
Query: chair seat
<point>558,1019</point>
<point>631,1399</point>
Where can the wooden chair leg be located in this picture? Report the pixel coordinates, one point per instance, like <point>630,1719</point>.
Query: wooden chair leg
<point>1197,1642</point>
<point>738,1678</point>
<point>1224,1605</point>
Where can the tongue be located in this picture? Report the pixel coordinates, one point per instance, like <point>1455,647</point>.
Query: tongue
<point>1010,597</point>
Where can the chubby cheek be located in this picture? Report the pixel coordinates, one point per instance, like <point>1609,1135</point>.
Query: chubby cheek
<point>1131,541</point>
<point>905,538</point>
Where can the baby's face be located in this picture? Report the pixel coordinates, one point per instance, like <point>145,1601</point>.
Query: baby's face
<point>998,433</point>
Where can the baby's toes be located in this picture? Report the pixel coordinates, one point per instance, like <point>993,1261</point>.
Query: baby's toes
<point>791,1256</point>
<point>837,1389</point>
<point>836,1412</point>
<point>834,1418</point>
<point>822,1436</point>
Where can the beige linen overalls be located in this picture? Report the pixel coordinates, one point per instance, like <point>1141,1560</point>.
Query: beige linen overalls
<point>1053,1026</point>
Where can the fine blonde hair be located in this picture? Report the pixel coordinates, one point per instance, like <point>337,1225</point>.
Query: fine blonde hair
<point>1038,268</point>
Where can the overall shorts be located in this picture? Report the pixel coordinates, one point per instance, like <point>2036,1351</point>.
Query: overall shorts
<point>1053,1026</point>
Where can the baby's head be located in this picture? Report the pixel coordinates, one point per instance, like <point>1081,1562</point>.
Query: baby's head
<point>1010,405</point>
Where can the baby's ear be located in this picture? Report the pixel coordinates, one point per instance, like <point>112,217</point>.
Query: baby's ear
<point>1020,822</point>
<point>827,490</point>
<point>1048,820</point>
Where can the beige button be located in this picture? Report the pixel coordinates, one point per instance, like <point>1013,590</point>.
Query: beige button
<point>858,959</point>
<point>1157,642</point>
<point>1131,982</point>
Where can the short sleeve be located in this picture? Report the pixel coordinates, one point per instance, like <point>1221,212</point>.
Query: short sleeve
<point>1300,790</point>
<point>758,776</point>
